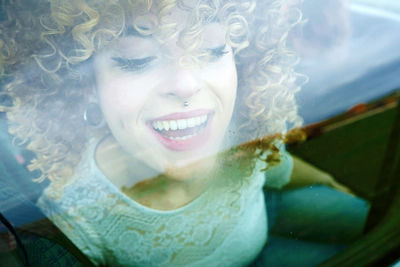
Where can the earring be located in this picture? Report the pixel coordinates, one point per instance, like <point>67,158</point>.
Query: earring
<point>93,115</point>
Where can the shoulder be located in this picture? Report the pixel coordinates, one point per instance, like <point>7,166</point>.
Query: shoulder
<point>277,176</point>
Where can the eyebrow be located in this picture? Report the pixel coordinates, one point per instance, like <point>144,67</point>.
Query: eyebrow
<point>131,31</point>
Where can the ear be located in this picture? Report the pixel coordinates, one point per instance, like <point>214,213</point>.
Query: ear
<point>91,94</point>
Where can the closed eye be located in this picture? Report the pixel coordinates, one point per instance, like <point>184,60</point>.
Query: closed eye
<point>135,65</point>
<point>217,52</point>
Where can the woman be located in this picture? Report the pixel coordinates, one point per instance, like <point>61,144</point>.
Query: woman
<point>126,105</point>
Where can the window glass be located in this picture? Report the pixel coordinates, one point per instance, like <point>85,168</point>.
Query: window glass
<point>197,132</point>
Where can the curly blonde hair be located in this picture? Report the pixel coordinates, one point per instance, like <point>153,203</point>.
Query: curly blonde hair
<point>46,50</point>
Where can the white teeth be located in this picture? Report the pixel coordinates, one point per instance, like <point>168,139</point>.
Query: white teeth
<point>165,125</point>
<point>174,125</point>
<point>179,124</point>
<point>191,122</point>
<point>182,124</point>
<point>182,137</point>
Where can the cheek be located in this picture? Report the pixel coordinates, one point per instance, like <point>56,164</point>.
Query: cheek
<point>121,99</point>
<point>232,85</point>
<point>225,84</point>
<point>121,118</point>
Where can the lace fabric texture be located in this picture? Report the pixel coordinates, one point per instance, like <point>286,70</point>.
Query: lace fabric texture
<point>225,226</point>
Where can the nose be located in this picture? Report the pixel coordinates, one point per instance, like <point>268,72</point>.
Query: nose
<point>182,82</point>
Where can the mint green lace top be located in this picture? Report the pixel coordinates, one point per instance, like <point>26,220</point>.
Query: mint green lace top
<point>225,226</point>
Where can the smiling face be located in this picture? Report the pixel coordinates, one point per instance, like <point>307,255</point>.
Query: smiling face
<point>162,112</point>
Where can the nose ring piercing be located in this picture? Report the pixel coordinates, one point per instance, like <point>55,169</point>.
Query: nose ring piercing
<point>186,104</point>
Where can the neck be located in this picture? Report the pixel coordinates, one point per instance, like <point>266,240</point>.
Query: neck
<point>171,190</point>
<point>166,194</point>
<point>118,166</point>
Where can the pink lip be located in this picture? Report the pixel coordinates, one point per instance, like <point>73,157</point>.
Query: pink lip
<point>188,144</point>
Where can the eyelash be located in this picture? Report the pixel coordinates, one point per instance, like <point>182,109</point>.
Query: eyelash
<point>140,64</point>
<point>134,65</point>
<point>218,52</point>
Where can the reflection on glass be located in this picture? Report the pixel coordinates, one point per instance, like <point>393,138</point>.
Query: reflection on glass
<point>157,124</point>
